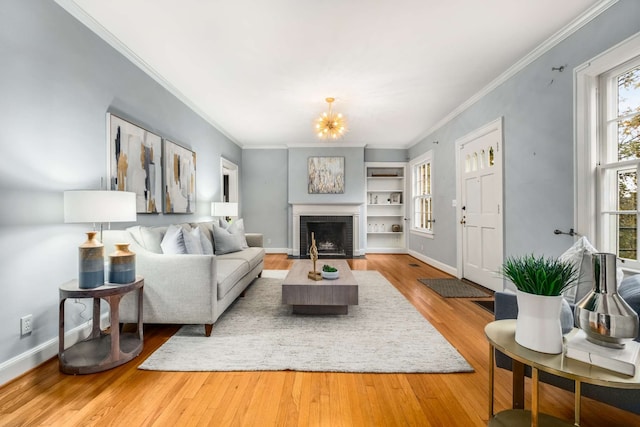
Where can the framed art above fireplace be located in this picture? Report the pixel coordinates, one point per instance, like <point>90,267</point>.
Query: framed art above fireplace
<point>325,175</point>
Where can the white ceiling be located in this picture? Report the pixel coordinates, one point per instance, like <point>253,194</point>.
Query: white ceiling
<point>260,70</point>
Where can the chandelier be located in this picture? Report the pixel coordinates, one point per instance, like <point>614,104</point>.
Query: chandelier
<point>330,125</point>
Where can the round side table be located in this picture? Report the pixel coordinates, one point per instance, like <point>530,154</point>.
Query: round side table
<point>101,350</point>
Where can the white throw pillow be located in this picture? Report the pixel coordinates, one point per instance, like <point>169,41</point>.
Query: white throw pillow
<point>173,242</point>
<point>192,240</point>
<point>580,256</point>
<point>226,242</point>
<point>237,227</point>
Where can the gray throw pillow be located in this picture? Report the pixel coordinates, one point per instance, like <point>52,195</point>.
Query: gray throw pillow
<point>173,242</point>
<point>629,290</point>
<point>226,242</point>
<point>192,240</point>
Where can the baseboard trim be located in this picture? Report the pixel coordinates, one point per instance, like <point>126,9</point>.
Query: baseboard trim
<point>434,263</point>
<point>277,250</point>
<point>32,358</point>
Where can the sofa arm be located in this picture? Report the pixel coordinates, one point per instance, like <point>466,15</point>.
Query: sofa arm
<point>505,306</point>
<point>177,288</point>
<point>254,240</point>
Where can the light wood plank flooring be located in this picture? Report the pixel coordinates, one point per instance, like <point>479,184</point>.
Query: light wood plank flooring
<point>125,396</point>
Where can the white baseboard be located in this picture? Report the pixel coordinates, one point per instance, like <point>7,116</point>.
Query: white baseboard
<point>22,363</point>
<point>277,250</point>
<point>434,263</point>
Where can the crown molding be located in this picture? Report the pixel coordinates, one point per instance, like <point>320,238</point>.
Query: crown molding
<point>536,53</point>
<point>81,15</point>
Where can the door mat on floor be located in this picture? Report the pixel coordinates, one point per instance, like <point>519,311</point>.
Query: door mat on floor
<point>454,288</point>
<point>486,304</point>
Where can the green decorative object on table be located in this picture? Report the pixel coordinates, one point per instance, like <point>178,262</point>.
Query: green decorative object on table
<point>540,282</point>
<point>329,272</point>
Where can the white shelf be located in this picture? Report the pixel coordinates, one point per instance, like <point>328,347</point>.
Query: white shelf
<point>384,215</point>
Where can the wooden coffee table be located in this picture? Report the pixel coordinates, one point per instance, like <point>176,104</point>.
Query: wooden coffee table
<point>319,297</point>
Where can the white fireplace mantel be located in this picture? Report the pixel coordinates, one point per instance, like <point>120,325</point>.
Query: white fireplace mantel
<point>352,210</point>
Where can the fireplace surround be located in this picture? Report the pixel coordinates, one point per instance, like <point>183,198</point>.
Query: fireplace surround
<point>333,222</point>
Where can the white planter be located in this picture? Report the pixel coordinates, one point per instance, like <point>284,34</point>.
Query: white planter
<point>538,325</point>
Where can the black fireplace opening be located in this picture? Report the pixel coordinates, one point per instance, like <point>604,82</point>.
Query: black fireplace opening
<point>333,235</point>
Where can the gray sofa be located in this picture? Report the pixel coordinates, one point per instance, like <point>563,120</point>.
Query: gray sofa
<point>506,307</point>
<point>186,288</point>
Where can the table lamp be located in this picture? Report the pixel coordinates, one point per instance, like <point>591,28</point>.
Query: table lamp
<point>224,209</point>
<point>96,206</point>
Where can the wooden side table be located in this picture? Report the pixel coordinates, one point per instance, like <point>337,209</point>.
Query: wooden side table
<point>101,350</point>
<point>501,336</point>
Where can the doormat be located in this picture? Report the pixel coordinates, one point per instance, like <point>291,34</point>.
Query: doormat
<point>454,288</point>
<point>486,304</point>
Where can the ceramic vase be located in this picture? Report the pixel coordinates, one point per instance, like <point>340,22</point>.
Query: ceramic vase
<point>91,262</point>
<point>538,324</point>
<point>122,265</point>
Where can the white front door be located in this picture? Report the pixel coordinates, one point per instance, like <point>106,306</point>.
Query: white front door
<point>479,167</point>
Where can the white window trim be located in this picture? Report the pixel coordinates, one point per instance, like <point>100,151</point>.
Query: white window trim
<point>586,133</point>
<point>428,156</point>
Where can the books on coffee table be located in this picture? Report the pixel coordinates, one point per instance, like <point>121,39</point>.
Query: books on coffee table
<point>623,361</point>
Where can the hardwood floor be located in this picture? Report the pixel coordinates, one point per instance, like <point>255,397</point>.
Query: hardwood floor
<point>126,396</point>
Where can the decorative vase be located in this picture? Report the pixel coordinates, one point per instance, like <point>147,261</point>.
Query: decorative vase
<point>91,262</point>
<point>538,324</point>
<point>122,265</point>
<point>603,314</point>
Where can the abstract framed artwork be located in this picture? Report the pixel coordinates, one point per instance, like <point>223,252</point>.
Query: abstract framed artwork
<point>326,175</point>
<point>134,162</point>
<point>179,178</point>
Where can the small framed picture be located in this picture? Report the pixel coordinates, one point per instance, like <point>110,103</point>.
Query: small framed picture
<point>396,198</point>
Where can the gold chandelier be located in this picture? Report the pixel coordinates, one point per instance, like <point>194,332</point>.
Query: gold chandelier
<point>330,125</point>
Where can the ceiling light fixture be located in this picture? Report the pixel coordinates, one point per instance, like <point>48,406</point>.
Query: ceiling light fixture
<point>330,125</point>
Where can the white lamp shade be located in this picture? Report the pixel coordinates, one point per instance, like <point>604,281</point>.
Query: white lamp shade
<point>99,206</point>
<point>224,209</point>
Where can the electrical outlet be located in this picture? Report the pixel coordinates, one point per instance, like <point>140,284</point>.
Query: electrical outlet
<point>26,324</point>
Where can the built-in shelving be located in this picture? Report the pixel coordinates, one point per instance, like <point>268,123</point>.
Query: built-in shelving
<point>386,209</point>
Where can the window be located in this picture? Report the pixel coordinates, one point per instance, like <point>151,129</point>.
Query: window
<point>608,150</point>
<point>619,159</point>
<point>421,193</point>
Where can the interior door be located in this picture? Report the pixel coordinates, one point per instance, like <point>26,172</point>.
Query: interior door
<point>480,187</point>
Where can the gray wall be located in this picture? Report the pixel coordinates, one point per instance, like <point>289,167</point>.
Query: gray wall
<point>265,195</point>
<point>385,155</point>
<point>57,81</point>
<point>537,110</point>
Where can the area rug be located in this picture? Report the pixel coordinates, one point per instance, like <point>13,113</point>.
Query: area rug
<point>454,288</point>
<point>383,333</point>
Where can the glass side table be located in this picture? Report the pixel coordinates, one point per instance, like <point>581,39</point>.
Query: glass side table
<point>100,350</point>
<point>501,336</point>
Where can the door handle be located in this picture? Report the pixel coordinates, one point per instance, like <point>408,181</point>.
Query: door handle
<point>463,221</point>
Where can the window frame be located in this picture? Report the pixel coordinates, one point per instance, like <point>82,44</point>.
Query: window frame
<point>425,158</point>
<point>590,103</point>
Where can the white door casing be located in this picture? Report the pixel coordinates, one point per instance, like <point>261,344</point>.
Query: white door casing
<point>479,164</point>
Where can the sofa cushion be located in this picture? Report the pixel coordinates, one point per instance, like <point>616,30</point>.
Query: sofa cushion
<point>148,237</point>
<point>230,271</point>
<point>173,241</point>
<point>252,256</point>
<point>225,242</point>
